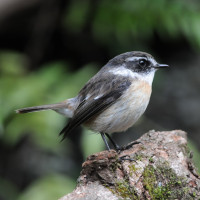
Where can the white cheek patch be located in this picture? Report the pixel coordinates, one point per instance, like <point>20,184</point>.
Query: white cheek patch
<point>122,71</point>
<point>148,77</point>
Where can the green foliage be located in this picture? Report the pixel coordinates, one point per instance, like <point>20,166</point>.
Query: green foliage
<point>195,153</point>
<point>20,88</point>
<point>8,190</point>
<point>51,187</point>
<point>131,23</point>
<point>91,143</point>
<point>50,84</point>
<point>76,15</point>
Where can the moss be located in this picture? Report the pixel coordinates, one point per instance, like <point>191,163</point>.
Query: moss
<point>138,157</point>
<point>113,167</point>
<point>162,183</point>
<point>132,169</point>
<point>149,180</point>
<point>194,194</point>
<point>124,190</point>
<point>151,159</point>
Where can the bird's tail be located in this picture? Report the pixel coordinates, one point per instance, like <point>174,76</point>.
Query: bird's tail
<point>42,107</point>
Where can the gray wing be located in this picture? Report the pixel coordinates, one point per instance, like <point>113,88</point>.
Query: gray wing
<point>109,91</point>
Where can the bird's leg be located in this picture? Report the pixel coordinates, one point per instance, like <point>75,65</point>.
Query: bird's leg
<point>105,141</point>
<point>116,146</point>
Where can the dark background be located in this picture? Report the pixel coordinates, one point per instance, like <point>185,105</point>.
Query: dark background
<point>50,48</point>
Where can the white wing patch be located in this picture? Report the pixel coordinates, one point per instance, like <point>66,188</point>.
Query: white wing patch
<point>97,97</point>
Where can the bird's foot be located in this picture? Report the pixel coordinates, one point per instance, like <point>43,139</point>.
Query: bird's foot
<point>124,158</point>
<point>120,149</point>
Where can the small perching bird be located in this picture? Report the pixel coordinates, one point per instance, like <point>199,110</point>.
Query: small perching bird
<point>113,99</point>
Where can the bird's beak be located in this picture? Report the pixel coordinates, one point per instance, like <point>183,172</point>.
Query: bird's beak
<point>160,66</point>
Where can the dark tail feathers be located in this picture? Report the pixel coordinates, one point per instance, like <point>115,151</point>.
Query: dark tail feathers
<point>41,108</point>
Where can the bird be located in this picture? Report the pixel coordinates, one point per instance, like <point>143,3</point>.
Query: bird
<point>113,99</point>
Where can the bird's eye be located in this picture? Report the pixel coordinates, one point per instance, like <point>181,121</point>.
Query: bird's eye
<point>143,62</point>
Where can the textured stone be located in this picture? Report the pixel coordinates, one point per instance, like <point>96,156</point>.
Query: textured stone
<point>159,167</point>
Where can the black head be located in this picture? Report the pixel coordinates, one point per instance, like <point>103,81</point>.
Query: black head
<point>136,61</point>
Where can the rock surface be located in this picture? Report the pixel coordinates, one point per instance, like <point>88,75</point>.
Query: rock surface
<point>159,167</point>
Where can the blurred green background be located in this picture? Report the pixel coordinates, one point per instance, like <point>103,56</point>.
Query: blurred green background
<point>50,48</point>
